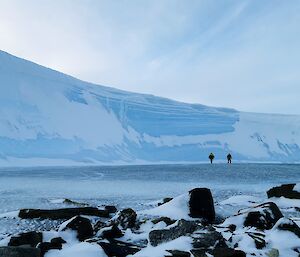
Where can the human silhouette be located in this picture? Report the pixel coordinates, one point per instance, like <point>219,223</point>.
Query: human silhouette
<point>229,158</point>
<point>211,157</point>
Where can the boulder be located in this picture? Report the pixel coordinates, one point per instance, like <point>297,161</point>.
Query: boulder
<point>207,239</point>
<point>183,228</point>
<point>288,225</point>
<point>165,200</point>
<point>263,216</point>
<point>201,204</point>
<point>286,190</point>
<point>29,238</point>
<point>65,213</point>
<point>166,220</point>
<point>227,252</point>
<point>126,218</point>
<point>46,246</point>
<point>177,253</point>
<point>199,253</point>
<point>57,241</point>
<point>114,248</point>
<point>111,208</point>
<point>81,225</point>
<point>10,251</point>
<point>99,225</point>
<point>259,239</point>
<point>111,232</point>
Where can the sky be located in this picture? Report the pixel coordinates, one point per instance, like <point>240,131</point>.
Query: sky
<point>239,54</point>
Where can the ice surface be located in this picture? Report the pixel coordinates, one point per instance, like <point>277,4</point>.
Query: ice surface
<point>138,187</point>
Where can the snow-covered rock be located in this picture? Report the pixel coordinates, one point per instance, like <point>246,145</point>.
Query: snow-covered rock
<point>49,118</point>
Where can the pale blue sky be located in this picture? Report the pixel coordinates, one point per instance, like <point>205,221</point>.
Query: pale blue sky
<point>240,54</point>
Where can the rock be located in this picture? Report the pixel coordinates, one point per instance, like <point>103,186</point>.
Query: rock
<point>165,200</point>
<point>10,251</point>
<point>115,248</point>
<point>286,190</point>
<point>207,239</point>
<point>183,228</point>
<point>258,238</point>
<point>55,243</point>
<point>65,213</point>
<point>29,238</point>
<point>80,224</point>
<point>112,232</point>
<point>288,225</point>
<point>57,240</point>
<point>201,204</point>
<point>46,246</point>
<point>227,252</point>
<point>126,218</point>
<point>273,253</point>
<point>110,208</point>
<point>177,253</point>
<point>199,253</point>
<point>263,216</point>
<point>166,220</point>
<point>232,227</point>
<point>71,202</point>
<point>99,225</point>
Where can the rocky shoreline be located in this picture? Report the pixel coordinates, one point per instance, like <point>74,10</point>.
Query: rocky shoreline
<point>185,226</point>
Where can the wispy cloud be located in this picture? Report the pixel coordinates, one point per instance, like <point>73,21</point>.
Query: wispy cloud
<point>241,54</point>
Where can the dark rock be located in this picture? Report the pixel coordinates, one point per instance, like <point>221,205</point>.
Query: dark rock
<point>177,253</point>
<point>232,227</point>
<point>165,200</point>
<point>57,241</point>
<point>166,220</point>
<point>82,225</point>
<point>288,225</point>
<point>46,246</point>
<point>65,213</point>
<point>258,238</point>
<point>29,238</point>
<point>227,252</point>
<point>199,253</point>
<point>112,232</point>
<point>71,202</point>
<point>201,204</point>
<point>183,227</point>
<point>110,208</point>
<point>10,251</point>
<point>263,216</point>
<point>126,218</point>
<point>286,190</point>
<point>99,225</point>
<point>116,248</point>
<point>207,239</point>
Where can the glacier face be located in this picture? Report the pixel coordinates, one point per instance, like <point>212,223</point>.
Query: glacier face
<point>47,115</point>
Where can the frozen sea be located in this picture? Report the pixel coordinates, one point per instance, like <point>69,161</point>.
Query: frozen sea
<point>135,186</point>
<point>139,187</point>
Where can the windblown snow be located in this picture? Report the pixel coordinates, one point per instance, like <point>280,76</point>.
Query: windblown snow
<point>47,115</point>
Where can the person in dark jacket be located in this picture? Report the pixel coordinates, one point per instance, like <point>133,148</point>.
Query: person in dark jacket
<point>211,157</point>
<point>229,158</point>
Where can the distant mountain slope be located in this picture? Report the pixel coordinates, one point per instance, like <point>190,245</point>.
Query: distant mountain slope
<point>49,117</point>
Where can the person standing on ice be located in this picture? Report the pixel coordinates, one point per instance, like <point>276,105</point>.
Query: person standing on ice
<point>229,158</point>
<point>211,157</point>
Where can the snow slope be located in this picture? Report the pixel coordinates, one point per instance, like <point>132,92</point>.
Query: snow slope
<point>49,117</point>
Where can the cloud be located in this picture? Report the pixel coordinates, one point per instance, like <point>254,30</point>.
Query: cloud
<point>241,54</point>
